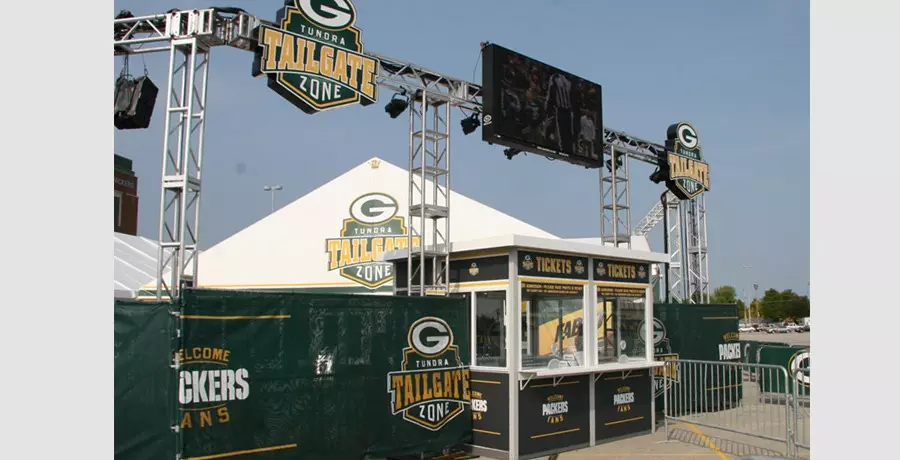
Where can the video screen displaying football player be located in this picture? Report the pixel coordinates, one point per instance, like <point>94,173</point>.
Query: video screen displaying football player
<point>552,109</point>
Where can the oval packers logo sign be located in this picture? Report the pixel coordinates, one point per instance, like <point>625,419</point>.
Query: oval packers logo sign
<point>315,58</point>
<point>432,386</point>
<point>799,367</point>
<point>372,228</point>
<point>688,173</point>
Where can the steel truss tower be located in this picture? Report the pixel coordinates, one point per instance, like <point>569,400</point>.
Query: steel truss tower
<point>188,37</point>
<point>429,195</point>
<point>179,216</point>
<point>697,260</point>
<point>684,233</point>
<point>433,100</point>
<point>673,220</point>
<point>615,199</point>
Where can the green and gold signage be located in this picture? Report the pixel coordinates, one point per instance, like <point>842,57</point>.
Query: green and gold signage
<point>490,410</point>
<point>372,228</point>
<point>621,271</point>
<point>688,174</point>
<point>554,417</point>
<point>315,58</point>
<point>207,384</point>
<point>552,265</point>
<point>432,385</point>
<point>622,404</point>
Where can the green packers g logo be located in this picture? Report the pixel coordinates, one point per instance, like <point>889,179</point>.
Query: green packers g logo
<point>372,228</point>
<point>687,135</point>
<point>431,387</point>
<point>688,173</point>
<point>315,59</point>
<point>799,367</point>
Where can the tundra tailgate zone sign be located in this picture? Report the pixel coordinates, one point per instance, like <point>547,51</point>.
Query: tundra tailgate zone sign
<point>688,174</point>
<point>432,386</point>
<point>315,58</point>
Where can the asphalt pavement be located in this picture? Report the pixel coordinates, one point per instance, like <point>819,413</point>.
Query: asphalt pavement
<point>685,441</point>
<point>793,338</point>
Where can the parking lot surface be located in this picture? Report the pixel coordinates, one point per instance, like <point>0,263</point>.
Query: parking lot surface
<point>793,338</point>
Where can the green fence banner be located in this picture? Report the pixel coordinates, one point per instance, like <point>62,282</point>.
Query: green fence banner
<point>323,376</point>
<point>795,359</point>
<point>291,376</point>
<point>751,349</point>
<point>704,332</point>
<point>145,385</point>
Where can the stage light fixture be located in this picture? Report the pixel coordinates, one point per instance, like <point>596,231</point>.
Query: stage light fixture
<point>470,123</point>
<point>620,158</point>
<point>660,175</point>
<point>396,105</point>
<point>511,152</point>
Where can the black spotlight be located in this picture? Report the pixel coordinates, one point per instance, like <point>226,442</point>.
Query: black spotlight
<point>396,105</point>
<point>511,152</point>
<point>661,174</point>
<point>618,161</point>
<point>470,123</point>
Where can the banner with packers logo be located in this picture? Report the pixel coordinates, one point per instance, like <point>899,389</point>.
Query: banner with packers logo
<point>705,332</point>
<point>302,376</point>
<point>795,360</point>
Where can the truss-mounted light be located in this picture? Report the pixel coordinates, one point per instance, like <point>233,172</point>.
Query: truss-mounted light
<point>511,152</point>
<point>470,123</point>
<point>398,103</point>
<point>619,160</point>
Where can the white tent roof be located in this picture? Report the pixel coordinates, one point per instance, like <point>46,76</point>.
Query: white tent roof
<point>638,243</point>
<point>289,249</point>
<point>135,260</point>
<point>134,264</point>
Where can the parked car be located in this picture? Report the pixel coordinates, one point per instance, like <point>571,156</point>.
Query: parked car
<point>791,327</point>
<point>746,328</point>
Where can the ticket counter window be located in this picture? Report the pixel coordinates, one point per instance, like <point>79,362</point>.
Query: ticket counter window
<point>490,333</point>
<point>619,329</point>
<point>552,328</point>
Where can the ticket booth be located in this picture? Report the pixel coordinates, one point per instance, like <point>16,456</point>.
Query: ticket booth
<point>559,345</point>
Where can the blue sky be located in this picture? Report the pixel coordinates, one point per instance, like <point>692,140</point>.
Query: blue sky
<point>739,71</point>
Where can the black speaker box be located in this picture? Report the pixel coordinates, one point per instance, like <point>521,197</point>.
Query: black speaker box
<point>134,103</point>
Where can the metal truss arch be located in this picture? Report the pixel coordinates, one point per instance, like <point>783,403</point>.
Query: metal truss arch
<point>190,35</point>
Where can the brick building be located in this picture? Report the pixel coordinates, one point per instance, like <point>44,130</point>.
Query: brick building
<point>125,196</point>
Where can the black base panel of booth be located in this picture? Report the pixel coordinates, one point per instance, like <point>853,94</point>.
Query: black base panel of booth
<point>553,418</point>
<point>490,410</point>
<point>623,404</point>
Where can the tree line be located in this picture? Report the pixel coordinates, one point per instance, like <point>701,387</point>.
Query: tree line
<point>774,306</point>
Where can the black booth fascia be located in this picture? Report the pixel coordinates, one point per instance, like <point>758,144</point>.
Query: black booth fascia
<point>464,268</point>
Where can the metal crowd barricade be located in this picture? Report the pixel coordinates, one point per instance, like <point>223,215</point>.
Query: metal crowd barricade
<point>801,402</point>
<point>742,398</point>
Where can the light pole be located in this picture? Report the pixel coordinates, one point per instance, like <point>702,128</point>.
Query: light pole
<point>755,294</point>
<point>747,305</point>
<point>272,189</point>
